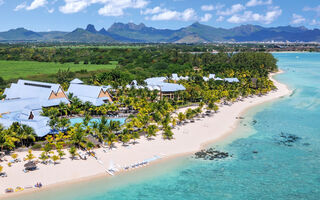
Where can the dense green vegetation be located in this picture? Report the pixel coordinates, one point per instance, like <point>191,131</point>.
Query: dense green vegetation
<point>147,61</point>
<point>149,114</point>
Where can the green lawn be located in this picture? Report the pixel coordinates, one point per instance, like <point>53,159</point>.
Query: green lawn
<point>23,69</point>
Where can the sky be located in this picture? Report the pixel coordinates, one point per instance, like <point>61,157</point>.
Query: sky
<point>66,15</point>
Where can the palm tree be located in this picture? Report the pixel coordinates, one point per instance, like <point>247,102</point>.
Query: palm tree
<point>43,157</point>
<point>63,124</point>
<point>86,119</point>
<point>53,123</point>
<point>151,131</point>
<point>125,138</point>
<point>63,108</point>
<point>110,139</point>
<point>181,117</point>
<point>77,135</point>
<point>189,113</point>
<point>89,146</point>
<point>135,135</point>
<point>167,133</point>
<point>55,158</point>
<point>215,108</point>
<point>61,153</point>
<point>174,122</point>
<point>8,139</point>
<point>30,156</point>
<point>26,133</point>
<point>73,152</point>
<point>114,125</point>
<point>47,149</point>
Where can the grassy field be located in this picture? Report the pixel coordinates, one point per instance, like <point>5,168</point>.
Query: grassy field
<point>23,69</point>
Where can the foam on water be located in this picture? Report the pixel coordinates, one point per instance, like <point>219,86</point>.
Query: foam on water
<point>266,164</point>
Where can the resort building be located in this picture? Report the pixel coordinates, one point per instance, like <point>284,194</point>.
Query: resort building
<point>97,95</point>
<point>160,84</point>
<point>177,78</point>
<point>231,80</point>
<point>33,89</point>
<point>134,84</point>
<point>213,77</point>
<point>166,89</point>
<point>24,102</point>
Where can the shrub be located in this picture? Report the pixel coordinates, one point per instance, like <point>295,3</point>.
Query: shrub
<point>37,146</point>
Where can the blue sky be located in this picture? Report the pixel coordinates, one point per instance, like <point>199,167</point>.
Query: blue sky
<point>66,15</point>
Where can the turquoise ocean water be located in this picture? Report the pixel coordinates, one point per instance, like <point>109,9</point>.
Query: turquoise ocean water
<point>285,135</point>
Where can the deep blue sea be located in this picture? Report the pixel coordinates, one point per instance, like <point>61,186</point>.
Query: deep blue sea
<point>276,154</point>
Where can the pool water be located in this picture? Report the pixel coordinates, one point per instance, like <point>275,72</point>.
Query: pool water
<point>74,121</point>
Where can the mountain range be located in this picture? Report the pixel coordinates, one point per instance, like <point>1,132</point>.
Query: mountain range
<point>140,33</point>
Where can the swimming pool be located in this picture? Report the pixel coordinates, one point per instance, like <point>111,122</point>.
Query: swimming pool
<point>80,120</point>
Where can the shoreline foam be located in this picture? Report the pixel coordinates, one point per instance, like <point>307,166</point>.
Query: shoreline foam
<point>188,139</point>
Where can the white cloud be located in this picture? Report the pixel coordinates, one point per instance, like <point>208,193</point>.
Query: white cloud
<point>110,7</point>
<point>51,10</point>
<point>74,6</point>
<point>253,3</point>
<point>230,11</point>
<point>206,17</point>
<point>111,10</point>
<point>297,19</point>
<point>36,4</point>
<point>207,7</point>
<point>220,19</point>
<point>21,6</point>
<point>315,22</point>
<point>249,16</point>
<point>153,11</point>
<point>315,9</point>
<point>212,7</point>
<point>187,15</point>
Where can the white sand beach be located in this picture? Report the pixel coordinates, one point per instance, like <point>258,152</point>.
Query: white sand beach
<point>187,139</point>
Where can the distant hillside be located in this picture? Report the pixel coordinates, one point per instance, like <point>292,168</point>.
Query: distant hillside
<point>20,34</point>
<point>195,33</point>
<point>81,35</point>
<point>141,32</point>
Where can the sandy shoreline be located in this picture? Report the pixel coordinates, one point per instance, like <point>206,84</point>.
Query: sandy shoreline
<point>188,139</point>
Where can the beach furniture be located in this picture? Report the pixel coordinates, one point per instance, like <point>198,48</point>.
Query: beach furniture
<point>3,174</point>
<point>18,189</point>
<point>9,190</point>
